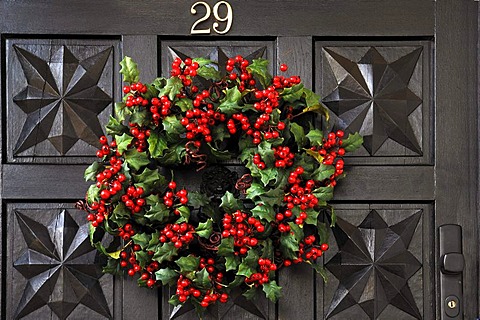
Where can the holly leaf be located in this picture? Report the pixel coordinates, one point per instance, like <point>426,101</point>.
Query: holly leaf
<point>323,172</point>
<point>120,214</point>
<point>273,197</point>
<point>197,199</point>
<point>123,142</point>
<point>267,175</point>
<point>323,193</point>
<point>230,203</point>
<point>129,70</point>
<point>188,264</point>
<point>232,262</point>
<point>268,249</point>
<point>202,279</point>
<point>93,194</point>
<point>172,87</point>
<point>172,156</point>
<point>321,271</point>
<point>115,127</point>
<point>298,134</point>
<point>250,293</point>
<point>288,246</point>
<point>142,239</point>
<point>265,212</point>
<point>315,136</point>
<point>172,125</point>
<point>184,104</point>
<point>272,290</point>
<point>312,216</point>
<point>139,116</point>
<point>323,232</point>
<point>156,144</point>
<point>259,68</point>
<point>184,212</point>
<point>315,155</point>
<point>159,83</point>
<point>135,159</point>
<point>229,103</point>
<point>318,108</point>
<point>165,253</point>
<point>266,152</point>
<point>255,190</point>
<point>218,154</point>
<point>205,229</point>
<point>226,247</point>
<point>293,93</point>
<point>353,142</point>
<point>167,276</point>
<point>120,111</point>
<point>91,172</point>
<point>297,231</point>
<point>158,213</point>
<point>249,264</point>
<point>150,180</point>
<point>174,301</point>
<point>209,73</point>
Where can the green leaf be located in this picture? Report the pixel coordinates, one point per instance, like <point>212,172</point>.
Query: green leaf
<point>266,152</point>
<point>315,155</point>
<point>312,216</point>
<point>174,301</point>
<point>115,127</point>
<point>265,212</point>
<point>232,262</point>
<point>353,142</point>
<point>321,271</point>
<point>323,232</point>
<point>255,190</point>
<point>112,267</point>
<point>165,253</point>
<point>268,249</point>
<point>159,83</point>
<point>150,180</point>
<point>172,125</point>
<point>318,108</point>
<point>226,247</point>
<point>311,98</point>
<point>129,70</point>
<point>333,217</point>
<point>172,87</point>
<point>123,142</point>
<point>259,68</point>
<point>218,154</point>
<point>250,293</point>
<point>184,104</point>
<point>288,246</point>
<point>267,175</point>
<point>205,229</point>
<point>91,172</point>
<point>297,231</point>
<point>158,213</point>
<point>249,264</point>
<point>142,258</point>
<point>93,194</point>
<point>120,214</point>
<point>135,159</point>
<point>273,197</point>
<point>293,93</point>
<point>139,116</point>
<point>209,73</point>
<point>272,290</point>
<point>167,276</point>
<point>202,279</point>
<point>184,212</point>
<point>229,104</point>
<point>315,136</point>
<point>197,199</point>
<point>323,193</point>
<point>120,111</point>
<point>188,264</point>
<point>202,61</point>
<point>142,239</point>
<point>299,135</point>
<point>156,144</point>
<point>172,156</point>
<point>230,203</point>
<point>323,172</point>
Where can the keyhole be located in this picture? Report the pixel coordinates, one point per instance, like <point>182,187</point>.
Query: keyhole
<point>452,304</point>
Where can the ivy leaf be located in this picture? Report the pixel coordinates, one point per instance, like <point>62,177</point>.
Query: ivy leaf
<point>323,172</point>
<point>135,159</point>
<point>188,264</point>
<point>259,68</point>
<point>293,93</point>
<point>265,212</point>
<point>123,142</point>
<point>353,142</point>
<point>115,127</point>
<point>229,104</point>
<point>226,247</point>
<point>209,73</point>
<point>172,87</point>
<point>205,229</point>
<point>156,144</point>
<point>165,253</point>
<point>120,215</point>
<point>129,70</point>
<point>120,111</point>
<point>230,203</point>
<point>232,262</point>
<point>172,125</point>
<point>202,279</point>
<point>299,134</point>
<point>315,136</point>
<point>197,199</point>
<point>91,172</point>
<point>185,104</point>
<point>93,194</point>
<point>323,193</point>
<point>250,293</point>
<point>272,290</point>
<point>158,213</point>
<point>288,246</point>
<point>166,276</point>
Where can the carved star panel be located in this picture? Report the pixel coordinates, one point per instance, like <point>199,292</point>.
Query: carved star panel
<point>59,95</point>
<point>381,91</point>
<point>379,263</point>
<point>53,272</point>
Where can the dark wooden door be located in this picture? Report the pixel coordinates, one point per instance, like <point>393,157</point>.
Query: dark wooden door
<point>403,73</point>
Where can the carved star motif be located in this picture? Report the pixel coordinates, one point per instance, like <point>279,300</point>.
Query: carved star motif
<point>59,263</point>
<point>62,99</point>
<point>373,97</point>
<point>374,265</point>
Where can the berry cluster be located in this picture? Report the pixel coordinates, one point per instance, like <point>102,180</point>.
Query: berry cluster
<point>332,149</point>
<point>284,158</point>
<point>140,136</point>
<point>135,91</point>
<point>179,234</point>
<point>309,250</point>
<point>172,196</point>
<point>126,232</point>
<point>133,199</point>
<point>185,289</point>
<point>246,78</point>
<point>160,108</point>
<point>259,278</point>
<point>241,227</point>
<point>185,71</point>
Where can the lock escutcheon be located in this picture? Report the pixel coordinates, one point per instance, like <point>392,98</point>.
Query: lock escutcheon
<point>452,309</point>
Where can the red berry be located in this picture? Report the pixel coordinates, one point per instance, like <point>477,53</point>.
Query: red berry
<point>283,67</point>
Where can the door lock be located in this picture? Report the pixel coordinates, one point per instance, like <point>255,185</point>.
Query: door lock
<point>452,307</point>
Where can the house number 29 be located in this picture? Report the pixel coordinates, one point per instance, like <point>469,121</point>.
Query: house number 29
<point>228,17</point>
